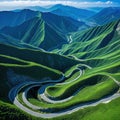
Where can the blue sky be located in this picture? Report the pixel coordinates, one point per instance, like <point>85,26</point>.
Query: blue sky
<point>16,4</point>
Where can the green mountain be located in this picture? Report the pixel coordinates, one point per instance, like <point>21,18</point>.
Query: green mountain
<point>93,39</point>
<point>28,64</point>
<point>19,17</point>
<point>36,33</point>
<point>98,47</point>
<point>48,31</point>
<point>78,79</point>
<point>40,57</point>
<point>106,15</point>
<point>63,24</point>
<point>9,18</point>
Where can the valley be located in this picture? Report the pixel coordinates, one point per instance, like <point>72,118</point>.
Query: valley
<point>59,63</point>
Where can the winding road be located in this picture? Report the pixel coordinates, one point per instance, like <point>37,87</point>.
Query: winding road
<point>34,110</point>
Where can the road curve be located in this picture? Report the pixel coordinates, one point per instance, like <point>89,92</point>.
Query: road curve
<point>14,98</point>
<point>42,91</point>
<point>63,112</point>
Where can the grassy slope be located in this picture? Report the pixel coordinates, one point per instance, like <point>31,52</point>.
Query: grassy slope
<point>94,88</point>
<point>108,111</point>
<point>66,90</point>
<point>29,67</point>
<point>11,112</point>
<point>33,63</point>
<point>105,57</point>
<point>99,112</point>
<point>100,44</point>
<point>63,24</point>
<point>44,58</point>
<point>33,70</point>
<point>35,32</point>
<point>91,40</point>
<point>40,31</point>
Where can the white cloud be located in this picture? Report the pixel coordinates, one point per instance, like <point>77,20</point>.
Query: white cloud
<point>109,2</point>
<point>23,3</point>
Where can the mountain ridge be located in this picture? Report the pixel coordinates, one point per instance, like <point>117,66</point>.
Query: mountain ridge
<point>106,15</point>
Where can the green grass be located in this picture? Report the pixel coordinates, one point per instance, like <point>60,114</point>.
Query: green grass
<point>74,76</point>
<point>99,47</point>
<point>61,91</point>
<point>95,91</point>
<point>32,70</point>
<point>44,58</point>
<point>11,112</point>
<point>70,70</point>
<point>107,111</point>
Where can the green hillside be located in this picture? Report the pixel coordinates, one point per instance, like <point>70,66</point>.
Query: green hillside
<point>37,30</point>
<point>98,47</point>
<point>48,59</point>
<point>63,24</point>
<point>36,33</point>
<point>32,63</point>
<point>78,80</point>
<point>92,40</point>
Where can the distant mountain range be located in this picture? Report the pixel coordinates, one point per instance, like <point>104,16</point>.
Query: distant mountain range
<point>75,13</point>
<point>62,10</point>
<point>91,16</point>
<point>106,15</point>
<point>37,29</point>
<point>48,30</point>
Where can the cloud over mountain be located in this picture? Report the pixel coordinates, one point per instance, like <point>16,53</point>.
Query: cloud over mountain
<point>13,4</point>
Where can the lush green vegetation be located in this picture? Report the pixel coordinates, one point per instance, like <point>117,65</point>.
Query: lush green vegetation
<point>108,111</point>
<point>37,56</point>
<point>97,49</point>
<point>95,92</point>
<point>66,90</point>
<point>8,111</point>
<point>34,29</point>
